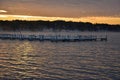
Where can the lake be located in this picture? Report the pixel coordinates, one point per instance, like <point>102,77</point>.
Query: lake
<point>35,60</point>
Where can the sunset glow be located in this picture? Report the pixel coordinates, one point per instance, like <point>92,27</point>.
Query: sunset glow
<point>108,20</point>
<point>94,11</point>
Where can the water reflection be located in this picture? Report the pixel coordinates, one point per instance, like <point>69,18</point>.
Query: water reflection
<point>59,61</point>
<point>22,51</point>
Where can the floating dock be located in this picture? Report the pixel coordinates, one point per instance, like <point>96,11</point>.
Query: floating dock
<point>53,38</point>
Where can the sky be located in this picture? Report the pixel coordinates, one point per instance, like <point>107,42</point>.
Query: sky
<point>95,11</point>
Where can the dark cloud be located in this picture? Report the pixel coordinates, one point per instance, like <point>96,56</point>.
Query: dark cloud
<point>64,8</point>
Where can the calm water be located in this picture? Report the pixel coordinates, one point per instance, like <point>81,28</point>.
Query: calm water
<point>61,61</point>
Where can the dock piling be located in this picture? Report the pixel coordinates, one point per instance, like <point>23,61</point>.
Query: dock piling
<point>56,38</point>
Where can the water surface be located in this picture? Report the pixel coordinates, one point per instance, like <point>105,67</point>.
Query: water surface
<point>62,60</point>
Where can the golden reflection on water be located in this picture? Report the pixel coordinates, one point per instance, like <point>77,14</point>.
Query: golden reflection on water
<point>21,59</point>
<point>27,60</point>
<point>21,52</point>
<point>83,60</point>
<point>25,48</point>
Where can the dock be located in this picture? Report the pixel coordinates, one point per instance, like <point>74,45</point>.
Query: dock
<point>53,38</point>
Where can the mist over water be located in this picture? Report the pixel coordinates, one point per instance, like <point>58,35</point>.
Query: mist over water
<point>62,60</point>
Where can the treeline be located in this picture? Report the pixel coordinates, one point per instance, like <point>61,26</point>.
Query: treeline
<point>55,25</point>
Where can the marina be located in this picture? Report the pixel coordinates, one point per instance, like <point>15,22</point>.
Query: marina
<point>53,38</point>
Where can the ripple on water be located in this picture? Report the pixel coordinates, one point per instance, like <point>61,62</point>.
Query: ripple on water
<point>59,61</point>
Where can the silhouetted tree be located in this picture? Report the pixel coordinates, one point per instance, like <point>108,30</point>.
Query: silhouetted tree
<point>55,25</point>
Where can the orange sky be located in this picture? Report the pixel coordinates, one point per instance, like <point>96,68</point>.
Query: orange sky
<point>95,11</point>
<point>108,20</point>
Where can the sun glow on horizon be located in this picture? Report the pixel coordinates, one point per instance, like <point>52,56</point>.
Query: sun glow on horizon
<point>108,20</point>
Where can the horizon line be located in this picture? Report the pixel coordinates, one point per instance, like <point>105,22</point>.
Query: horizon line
<point>93,19</point>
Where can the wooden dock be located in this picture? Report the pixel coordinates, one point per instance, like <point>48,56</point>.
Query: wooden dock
<point>53,38</point>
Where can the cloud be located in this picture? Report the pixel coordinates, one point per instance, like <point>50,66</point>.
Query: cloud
<point>62,8</point>
<point>3,11</point>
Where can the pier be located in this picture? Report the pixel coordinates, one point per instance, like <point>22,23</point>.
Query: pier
<point>53,38</point>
